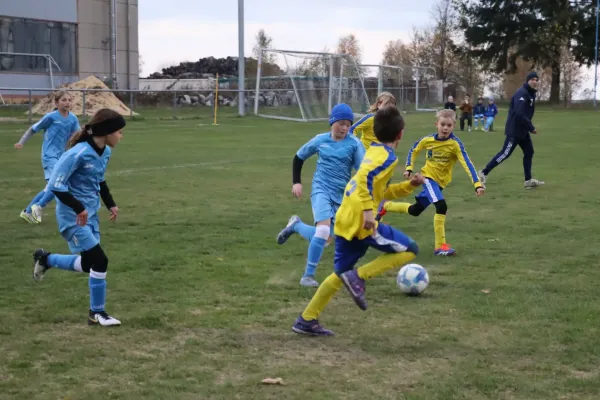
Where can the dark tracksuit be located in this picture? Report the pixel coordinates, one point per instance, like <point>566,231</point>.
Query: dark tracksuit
<point>450,106</point>
<point>517,131</point>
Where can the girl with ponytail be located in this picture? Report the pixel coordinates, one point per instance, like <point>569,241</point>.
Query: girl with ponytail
<point>78,183</point>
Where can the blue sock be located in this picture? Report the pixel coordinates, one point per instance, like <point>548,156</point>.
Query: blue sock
<point>62,261</point>
<point>46,198</point>
<point>306,231</point>
<point>97,291</point>
<point>315,251</point>
<point>35,200</point>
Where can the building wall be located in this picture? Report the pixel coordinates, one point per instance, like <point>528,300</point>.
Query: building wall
<point>93,56</point>
<point>49,10</point>
<point>95,37</point>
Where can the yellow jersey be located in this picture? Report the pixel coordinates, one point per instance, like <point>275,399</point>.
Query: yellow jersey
<point>367,188</point>
<point>364,126</point>
<point>440,157</point>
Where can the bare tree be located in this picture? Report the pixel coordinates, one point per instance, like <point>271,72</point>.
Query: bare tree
<point>396,53</point>
<point>263,41</point>
<point>444,35</point>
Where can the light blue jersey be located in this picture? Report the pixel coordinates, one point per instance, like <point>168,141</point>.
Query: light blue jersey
<point>57,131</point>
<point>79,171</point>
<point>334,163</point>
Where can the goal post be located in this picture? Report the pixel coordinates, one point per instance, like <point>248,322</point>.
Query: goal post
<point>304,86</point>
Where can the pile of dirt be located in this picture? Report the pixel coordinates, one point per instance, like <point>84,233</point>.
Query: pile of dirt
<point>94,101</point>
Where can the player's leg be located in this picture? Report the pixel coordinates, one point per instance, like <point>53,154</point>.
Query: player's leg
<point>470,121</point>
<point>347,254</point>
<point>422,202</point>
<point>400,250</point>
<point>527,146</point>
<point>507,149</point>
<point>295,225</point>
<point>462,122</point>
<point>37,209</point>
<point>26,214</point>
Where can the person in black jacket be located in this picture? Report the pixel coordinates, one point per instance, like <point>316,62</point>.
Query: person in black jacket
<point>518,130</point>
<point>450,104</point>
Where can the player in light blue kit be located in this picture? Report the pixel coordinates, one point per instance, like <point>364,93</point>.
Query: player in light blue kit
<point>338,152</point>
<point>59,125</point>
<point>78,183</point>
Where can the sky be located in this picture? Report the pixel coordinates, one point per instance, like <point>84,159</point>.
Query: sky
<point>188,30</point>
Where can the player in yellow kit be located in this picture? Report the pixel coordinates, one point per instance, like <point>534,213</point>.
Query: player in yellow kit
<point>442,150</point>
<point>365,125</point>
<point>356,228</point>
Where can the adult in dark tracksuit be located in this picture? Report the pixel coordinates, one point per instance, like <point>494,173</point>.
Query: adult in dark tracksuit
<point>518,131</point>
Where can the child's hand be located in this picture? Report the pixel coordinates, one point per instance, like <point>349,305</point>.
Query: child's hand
<point>82,218</point>
<point>368,219</point>
<point>480,191</point>
<point>417,179</point>
<point>18,146</point>
<point>297,190</point>
<point>113,213</point>
<point>534,132</point>
<point>407,173</point>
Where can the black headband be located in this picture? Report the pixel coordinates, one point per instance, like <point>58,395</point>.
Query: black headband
<point>108,126</point>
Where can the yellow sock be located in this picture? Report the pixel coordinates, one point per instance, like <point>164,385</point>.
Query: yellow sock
<point>397,207</point>
<point>323,296</point>
<point>384,263</point>
<point>439,228</point>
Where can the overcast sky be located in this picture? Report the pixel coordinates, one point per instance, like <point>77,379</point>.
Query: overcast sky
<point>186,30</point>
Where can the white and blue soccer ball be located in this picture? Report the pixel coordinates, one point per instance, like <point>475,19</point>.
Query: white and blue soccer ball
<point>412,279</point>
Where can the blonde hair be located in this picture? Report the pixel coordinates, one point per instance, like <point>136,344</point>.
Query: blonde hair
<point>445,114</point>
<point>86,132</point>
<point>59,95</point>
<point>384,96</point>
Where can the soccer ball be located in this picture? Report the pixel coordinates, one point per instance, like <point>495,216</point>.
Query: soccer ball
<point>412,279</point>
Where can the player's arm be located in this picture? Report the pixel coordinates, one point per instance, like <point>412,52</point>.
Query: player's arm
<point>42,124</point>
<point>59,179</point>
<point>359,154</point>
<point>413,153</point>
<point>362,124</point>
<point>465,161</point>
<point>304,153</point>
<point>106,196</point>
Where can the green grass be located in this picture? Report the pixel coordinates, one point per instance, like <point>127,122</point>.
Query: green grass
<point>207,298</point>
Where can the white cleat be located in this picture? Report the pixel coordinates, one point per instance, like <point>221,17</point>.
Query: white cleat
<point>37,212</point>
<point>308,281</point>
<point>102,318</point>
<point>532,184</point>
<point>28,217</point>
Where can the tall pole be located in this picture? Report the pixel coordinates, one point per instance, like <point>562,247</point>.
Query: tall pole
<point>241,59</point>
<point>596,56</point>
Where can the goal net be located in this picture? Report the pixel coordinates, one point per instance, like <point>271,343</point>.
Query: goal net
<point>304,86</point>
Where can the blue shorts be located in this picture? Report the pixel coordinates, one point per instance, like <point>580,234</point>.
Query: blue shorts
<point>48,165</point>
<point>323,207</point>
<point>478,116</point>
<point>82,238</point>
<point>431,193</point>
<point>386,239</point>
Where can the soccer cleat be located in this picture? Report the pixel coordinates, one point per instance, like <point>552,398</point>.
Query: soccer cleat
<point>37,212</point>
<point>102,318</point>
<point>312,328</point>
<point>532,184</point>
<point>309,281</point>
<point>444,250</point>
<point>381,211</point>
<point>40,264</point>
<point>356,286</point>
<point>288,231</point>
<point>28,217</point>
<point>482,177</point>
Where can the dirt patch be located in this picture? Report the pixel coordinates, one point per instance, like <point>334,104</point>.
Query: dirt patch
<point>94,101</point>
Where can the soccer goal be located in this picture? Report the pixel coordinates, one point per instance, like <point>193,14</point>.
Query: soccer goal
<point>386,78</point>
<point>304,86</point>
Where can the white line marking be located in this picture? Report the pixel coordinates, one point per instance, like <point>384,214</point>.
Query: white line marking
<point>162,167</point>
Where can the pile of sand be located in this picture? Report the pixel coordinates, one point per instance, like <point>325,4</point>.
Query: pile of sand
<point>94,101</point>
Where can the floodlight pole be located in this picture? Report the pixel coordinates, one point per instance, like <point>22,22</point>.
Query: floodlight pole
<point>241,60</point>
<point>596,56</point>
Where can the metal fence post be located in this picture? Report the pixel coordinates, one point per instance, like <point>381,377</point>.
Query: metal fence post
<point>83,107</point>
<point>130,104</point>
<point>30,105</point>
<point>174,102</point>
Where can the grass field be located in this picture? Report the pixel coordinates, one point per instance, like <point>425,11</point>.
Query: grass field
<point>207,298</point>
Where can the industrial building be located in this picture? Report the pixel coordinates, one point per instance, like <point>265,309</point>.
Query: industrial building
<point>48,43</point>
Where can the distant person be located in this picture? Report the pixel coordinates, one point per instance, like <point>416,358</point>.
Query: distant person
<point>59,125</point>
<point>479,113</point>
<point>490,114</point>
<point>450,104</point>
<point>518,130</point>
<point>467,113</point>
